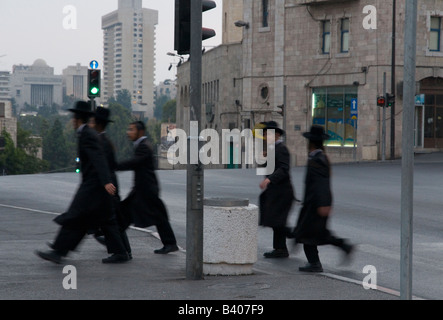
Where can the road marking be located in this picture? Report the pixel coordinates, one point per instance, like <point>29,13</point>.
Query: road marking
<point>152,233</point>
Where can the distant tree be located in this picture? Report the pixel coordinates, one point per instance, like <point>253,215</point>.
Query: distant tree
<point>117,130</point>
<point>55,149</point>
<point>68,101</point>
<point>169,111</point>
<point>153,128</point>
<point>124,98</point>
<point>158,108</point>
<point>15,161</point>
<point>14,107</point>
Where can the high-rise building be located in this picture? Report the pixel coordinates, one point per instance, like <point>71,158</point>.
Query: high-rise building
<point>129,54</point>
<point>75,82</point>
<point>5,85</point>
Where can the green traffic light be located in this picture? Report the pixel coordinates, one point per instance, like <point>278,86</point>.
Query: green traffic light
<point>94,90</point>
<point>77,171</point>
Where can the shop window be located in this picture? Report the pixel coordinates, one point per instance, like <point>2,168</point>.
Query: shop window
<point>331,108</point>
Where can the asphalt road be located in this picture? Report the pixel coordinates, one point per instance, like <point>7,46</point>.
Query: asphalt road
<point>366,211</point>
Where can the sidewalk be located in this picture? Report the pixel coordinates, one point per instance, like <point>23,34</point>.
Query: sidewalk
<point>148,276</point>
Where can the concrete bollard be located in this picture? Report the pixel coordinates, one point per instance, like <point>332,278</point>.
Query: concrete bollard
<point>230,228</point>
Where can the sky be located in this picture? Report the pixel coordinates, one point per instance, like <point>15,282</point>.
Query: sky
<point>36,29</point>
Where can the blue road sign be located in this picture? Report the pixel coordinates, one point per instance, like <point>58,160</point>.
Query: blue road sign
<point>354,109</point>
<point>93,64</point>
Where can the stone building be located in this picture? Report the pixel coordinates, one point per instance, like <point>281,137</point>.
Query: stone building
<point>324,62</point>
<point>7,121</point>
<point>36,85</point>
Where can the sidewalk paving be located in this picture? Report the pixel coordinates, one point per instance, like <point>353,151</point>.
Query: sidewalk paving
<point>24,276</point>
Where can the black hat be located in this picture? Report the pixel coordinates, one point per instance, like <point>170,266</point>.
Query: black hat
<point>102,115</point>
<point>317,133</point>
<point>272,125</point>
<point>82,107</point>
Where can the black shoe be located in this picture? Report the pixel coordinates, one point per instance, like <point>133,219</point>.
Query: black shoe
<point>166,249</point>
<point>100,239</point>
<point>116,258</point>
<point>52,256</point>
<point>130,255</point>
<point>312,267</point>
<point>277,253</point>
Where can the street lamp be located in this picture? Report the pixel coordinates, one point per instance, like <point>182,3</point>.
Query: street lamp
<point>241,23</point>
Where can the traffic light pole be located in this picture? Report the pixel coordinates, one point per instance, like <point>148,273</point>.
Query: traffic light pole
<point>195,173</point>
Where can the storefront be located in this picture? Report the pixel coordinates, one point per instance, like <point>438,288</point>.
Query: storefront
<point>429,114</point>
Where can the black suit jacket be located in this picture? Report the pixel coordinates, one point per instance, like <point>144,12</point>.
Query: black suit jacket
<point>276,201</point>
<point>143,205</point>
<point>311,227</point>
<point>91,204</point>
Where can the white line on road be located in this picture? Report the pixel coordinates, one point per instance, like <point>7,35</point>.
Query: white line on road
<point>152,233</point>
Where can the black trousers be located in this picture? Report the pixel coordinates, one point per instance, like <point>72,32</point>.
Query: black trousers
<point>279,238</point>
<point>165,232</point>
<point>311,251</point>
<point>69,238</point>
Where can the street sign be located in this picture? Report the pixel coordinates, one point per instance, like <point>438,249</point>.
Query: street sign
<point>93,64</point>
<point>354,109</point>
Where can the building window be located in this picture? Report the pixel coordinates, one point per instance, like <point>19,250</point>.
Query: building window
<point>344,39</point>
<point>326,36</point>
<point>331,108</point>
<point>434,43</point>
<point>265,10</point>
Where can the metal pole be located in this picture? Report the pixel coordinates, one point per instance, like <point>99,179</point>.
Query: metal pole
<point>383,131</point>
<point>393,80</point>
<point>194,205</point>
<point>408,150</point>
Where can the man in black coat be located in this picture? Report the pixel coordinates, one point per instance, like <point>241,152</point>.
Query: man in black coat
<point>278,196</point>
<point>116,226</point>
<point>311,228</point>
<point>92,203</point>
<point>143,206</point>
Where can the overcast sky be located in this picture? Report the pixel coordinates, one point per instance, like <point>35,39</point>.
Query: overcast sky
<point>34,29</point>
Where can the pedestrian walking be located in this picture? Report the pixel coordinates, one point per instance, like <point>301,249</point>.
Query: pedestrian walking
<point>312,229</point>
<point>99,121</point>
<point>143,206</point>
<point>276,200</point>
<point>92,203</point>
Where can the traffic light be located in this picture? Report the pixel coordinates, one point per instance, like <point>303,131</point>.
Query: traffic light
<point>182,35</point>
<point>381,102</point>
<point>282,110</point>
<point>390,99</point>
<point>77,165</point>
<point>94,83</point>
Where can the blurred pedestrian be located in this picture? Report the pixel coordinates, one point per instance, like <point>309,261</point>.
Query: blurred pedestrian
<point>99,121</point>
<point>143,206</point>
<point>91,206</point>
<point>277,197</point>
<point>311,229</point>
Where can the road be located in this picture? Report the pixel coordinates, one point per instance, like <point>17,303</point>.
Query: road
<point>366,211</point>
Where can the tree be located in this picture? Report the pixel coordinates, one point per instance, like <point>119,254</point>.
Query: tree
<point>124,98</point>
<point>55,149</point>
<point>158,108</point>
<point>117,130</point>
<point>16,161</point>
<point>169,111</point>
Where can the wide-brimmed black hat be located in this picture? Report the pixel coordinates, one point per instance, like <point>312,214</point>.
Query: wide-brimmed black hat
<point>102,115</point>
<point>317,133</point>
<point>82,107</point>
<point>272,125</point>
